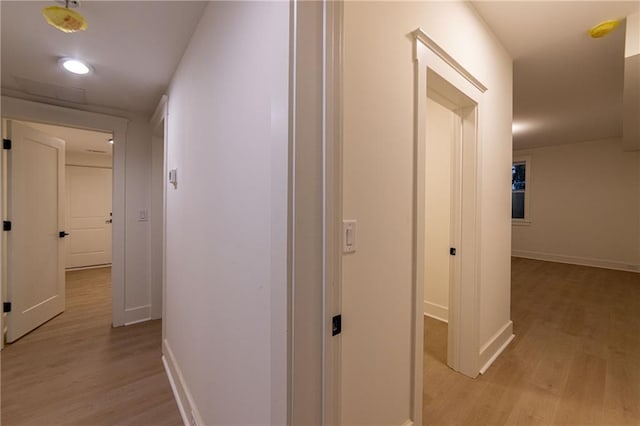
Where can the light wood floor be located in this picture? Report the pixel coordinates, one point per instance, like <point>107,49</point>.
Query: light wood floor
<point>77,370</point>
<point>575,359</point>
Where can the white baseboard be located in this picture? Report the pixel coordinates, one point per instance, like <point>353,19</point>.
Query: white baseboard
<point>137,314</point>
<point>575,260</point>
<point>188,410</point>
<point>174,389</point>
<point>435,311</point>
<point>495,346</point>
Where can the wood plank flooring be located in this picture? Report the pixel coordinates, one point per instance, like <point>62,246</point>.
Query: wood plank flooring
<point>575,359</point>
<point>78,370</point>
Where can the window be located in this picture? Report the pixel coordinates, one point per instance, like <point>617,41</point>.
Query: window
<point>520,183</point>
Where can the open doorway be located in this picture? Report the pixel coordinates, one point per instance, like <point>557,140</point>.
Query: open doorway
<point>448,99</point>
<point>88,195</point>
<point>447,240</point>
<point>58,202</point>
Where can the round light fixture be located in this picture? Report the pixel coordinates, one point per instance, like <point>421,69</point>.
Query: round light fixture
<point>603,28</point>
<point>75,66</point>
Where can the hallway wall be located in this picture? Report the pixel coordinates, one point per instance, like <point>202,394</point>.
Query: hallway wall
<point>378,191</point>
<point>137,299</point>
<point>226,296</point>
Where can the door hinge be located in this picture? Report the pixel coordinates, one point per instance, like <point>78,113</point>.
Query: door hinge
<point>452,251</point>
<point>336,325</point>
<point>6,225</point>
<point>6,143</point>
<point>6,307</point>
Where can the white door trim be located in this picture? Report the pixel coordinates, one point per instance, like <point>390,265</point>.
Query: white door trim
<point>19,109</point>
<point>159,130</point>
<point>332,215</point>
<point>464,294</point>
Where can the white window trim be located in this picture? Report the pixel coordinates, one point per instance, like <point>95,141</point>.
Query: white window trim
<point>526,159</point>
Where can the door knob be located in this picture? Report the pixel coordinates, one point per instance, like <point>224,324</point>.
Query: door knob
<point>108,221</point>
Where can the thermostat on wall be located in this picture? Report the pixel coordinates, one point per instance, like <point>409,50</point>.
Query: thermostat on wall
<point>173,178</point>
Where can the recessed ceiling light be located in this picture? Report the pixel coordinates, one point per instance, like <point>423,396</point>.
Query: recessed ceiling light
<point>603,28</point>
<point>518,127</point>
<point>75,66</point>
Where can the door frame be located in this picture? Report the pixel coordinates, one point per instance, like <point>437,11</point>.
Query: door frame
<point>23,110</point>
<point>332,108</point>
<point>159,139</point>
<point>467,95</point>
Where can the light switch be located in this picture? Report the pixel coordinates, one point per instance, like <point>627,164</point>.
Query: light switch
<point>348,236</point>
<point>143,215</point>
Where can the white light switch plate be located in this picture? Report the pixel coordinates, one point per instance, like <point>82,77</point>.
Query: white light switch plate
<point>348,236</point>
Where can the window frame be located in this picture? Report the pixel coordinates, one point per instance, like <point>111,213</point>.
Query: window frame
<point>526,160</point>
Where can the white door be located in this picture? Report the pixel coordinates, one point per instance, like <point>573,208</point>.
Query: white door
<point>88,216</point>
<point>35,248</point>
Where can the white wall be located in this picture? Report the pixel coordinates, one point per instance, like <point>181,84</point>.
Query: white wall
<point>157,223</point>
<point>74,158</point>
<point>632,36</point>
<point>585,205</point>
<point>227,135</point>
<point>137,241</point>
<point>438,152</point>
<point>378,191</point>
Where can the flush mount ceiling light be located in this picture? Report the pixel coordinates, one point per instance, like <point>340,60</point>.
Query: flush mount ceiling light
<point>75,66</point>
<point>603,28</point>
<point>65,19</point>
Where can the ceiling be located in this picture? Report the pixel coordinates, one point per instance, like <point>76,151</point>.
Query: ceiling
<point>567,87</point>
<point>78,140</point>
<point>134,47</point>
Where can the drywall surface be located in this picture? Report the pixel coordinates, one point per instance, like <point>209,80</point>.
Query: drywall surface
<point>73,158</point>
<point>157,224</point>
<point>438,150</point>
<point>137,240</point>
<point>378,179</point>
<point>226,219</point>
<point>585,205</point>
<point>632,36</point>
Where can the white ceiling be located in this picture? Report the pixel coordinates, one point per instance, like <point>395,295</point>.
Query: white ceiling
<point>78,140</point>
<point>567,86</point>
<point>134,47</point>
